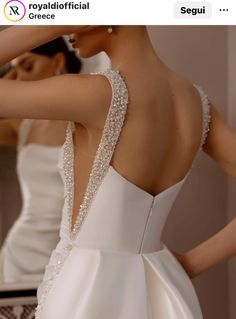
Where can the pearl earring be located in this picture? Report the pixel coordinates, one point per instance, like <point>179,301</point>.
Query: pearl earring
<point>109,29</point>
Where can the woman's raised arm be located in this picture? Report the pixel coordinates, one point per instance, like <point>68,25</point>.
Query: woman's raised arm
<point>66,97</point>
<point>80,98</point>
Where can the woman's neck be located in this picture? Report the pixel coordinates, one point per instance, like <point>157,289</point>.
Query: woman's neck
<point>130,45</point>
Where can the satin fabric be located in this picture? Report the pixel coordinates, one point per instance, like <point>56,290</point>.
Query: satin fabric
<point>118,268</point>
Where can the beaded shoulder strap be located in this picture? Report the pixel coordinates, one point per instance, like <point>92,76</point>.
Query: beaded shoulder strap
<point>206,116</point>
<point>111,132</point>
<point>67,161</point>
<point>110,135</point>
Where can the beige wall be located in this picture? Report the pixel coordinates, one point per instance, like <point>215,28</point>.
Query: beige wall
<point>200,53</point>
<point>231,182</point>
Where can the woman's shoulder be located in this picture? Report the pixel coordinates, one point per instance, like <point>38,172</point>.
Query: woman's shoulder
<point>183,87</point>
<point>185,93</point>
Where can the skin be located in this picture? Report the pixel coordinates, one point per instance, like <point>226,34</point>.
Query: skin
<point>32,67</point>
<point>163,123</point>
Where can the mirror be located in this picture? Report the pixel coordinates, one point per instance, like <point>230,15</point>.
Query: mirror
<point>31,186</point>
<point>35,216</point>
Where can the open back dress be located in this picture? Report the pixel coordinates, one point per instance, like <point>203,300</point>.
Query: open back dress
<point>112,264</point>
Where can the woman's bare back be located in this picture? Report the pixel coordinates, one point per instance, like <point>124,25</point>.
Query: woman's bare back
<point>160,137</point>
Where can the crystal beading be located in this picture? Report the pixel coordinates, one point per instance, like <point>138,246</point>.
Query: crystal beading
<point>112,128</point>
<point>68,169</point>
<point>56,268</point>
<point>111,132</point>
<point>206,114</point>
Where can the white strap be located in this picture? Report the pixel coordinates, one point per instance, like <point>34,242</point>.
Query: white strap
<point>24,130</point>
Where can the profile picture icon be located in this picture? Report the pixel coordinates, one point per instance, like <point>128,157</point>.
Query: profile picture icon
<point>14,10</point>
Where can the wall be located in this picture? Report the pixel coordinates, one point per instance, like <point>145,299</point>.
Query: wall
<point>231,182</point>
<point>200,53</point>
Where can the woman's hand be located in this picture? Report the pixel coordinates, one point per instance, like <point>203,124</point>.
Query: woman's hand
<point>183,260</point>
<point>219,248</point>
<point>20,39</point>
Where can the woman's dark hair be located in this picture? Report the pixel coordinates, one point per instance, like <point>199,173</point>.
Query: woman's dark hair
<point>4,69</point>
<point>73,63</point>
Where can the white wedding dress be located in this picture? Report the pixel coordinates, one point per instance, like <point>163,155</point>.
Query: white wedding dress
<point>35,233</point>
<point>112,265</point>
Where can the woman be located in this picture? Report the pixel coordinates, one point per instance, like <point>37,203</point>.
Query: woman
<point>35,233</point>
<point>109,262</point>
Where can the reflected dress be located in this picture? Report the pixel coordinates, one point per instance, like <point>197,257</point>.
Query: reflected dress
<point>35,233</point>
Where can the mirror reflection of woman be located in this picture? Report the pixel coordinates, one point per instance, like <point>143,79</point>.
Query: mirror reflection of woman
<point>35,233</point>
<point>134,132</point>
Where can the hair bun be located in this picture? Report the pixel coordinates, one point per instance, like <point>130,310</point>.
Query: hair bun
<point>58,45</point>
<point>73,63</point>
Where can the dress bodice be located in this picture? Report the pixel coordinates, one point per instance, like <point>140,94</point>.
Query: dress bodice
<point>37,166</point>
<point>113,205</point>
<point>125,218</point>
